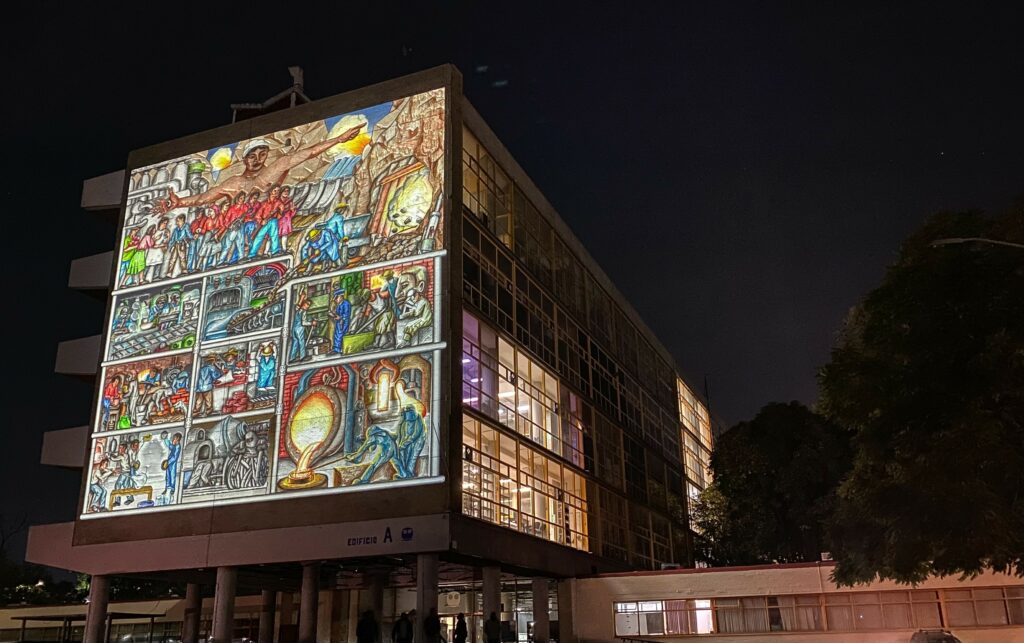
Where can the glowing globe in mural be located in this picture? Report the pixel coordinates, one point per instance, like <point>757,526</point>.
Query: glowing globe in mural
<point>313,436</point>
<point>221,158</point>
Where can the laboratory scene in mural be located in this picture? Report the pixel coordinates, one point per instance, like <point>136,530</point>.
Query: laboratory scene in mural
<point>235,378</point>
<point>145,393</point>
<point>356,188</point>
<point>361,312</point>
<point>244,301</point>
<point>133,470</point>
<point>355,424</point>
<point>163,318</point>
<point>227,458</point>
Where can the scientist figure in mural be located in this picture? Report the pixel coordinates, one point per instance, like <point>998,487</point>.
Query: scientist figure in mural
<point>412,436</point>
<point>260,173</point>
<point>386,451</point>
<point>170,465</point>
<point>128,461</point>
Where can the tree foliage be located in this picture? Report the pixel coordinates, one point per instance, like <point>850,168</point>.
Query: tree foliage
<point>928,374</point>
<point>774,484</point>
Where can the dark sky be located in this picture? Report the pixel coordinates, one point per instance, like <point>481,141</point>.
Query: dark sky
<point>743,172</point>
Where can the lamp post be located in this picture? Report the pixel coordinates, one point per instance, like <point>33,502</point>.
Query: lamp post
<point>955,240</point>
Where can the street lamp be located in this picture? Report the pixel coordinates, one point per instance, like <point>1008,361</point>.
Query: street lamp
<point>955,240</point>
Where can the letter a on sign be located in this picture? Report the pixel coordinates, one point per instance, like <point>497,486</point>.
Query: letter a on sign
<point>387,534</point>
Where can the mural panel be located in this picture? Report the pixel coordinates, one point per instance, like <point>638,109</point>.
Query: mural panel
<point>133,470</point>
<point>227,458</point>
<point>355,424</point>
<point>244,301</point>
<point>154,320</point>
<point>274,321</point>
<point>377,309</point>
<point>145,393</point>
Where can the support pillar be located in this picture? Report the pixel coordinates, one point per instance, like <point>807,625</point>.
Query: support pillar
<point>541,617</point>
<point>492,592</point>
<point>268,614</point>
<point>566,617</point>
<point>96,616</point>
<point>426,591</point>
<point>309,601</point>
<point>224,605</point>
<point>193,613</point>
<point>376,581</point>
<point>339,611</point>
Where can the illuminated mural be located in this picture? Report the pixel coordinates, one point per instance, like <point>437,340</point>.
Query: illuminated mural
<point>274,324</point>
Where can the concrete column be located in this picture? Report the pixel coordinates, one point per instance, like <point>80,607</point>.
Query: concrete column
<point>376,581</point>
<point>96,616</point>
<point>309,602</point>
<point>566,629</point>
<point>492,592</point>
<point>541,618</point>
<point>193,613</point>
<point>324,612</point>
<point>224,605</point>
<point>353,615</point>
<point>268,614</point>
<point>339,613</point>
<point>426,591</point>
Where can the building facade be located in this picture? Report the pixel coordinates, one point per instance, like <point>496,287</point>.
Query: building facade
<point>351,347</point>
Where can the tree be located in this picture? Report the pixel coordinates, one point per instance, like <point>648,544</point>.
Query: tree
<point>928,374</point>
<point>774,484</point>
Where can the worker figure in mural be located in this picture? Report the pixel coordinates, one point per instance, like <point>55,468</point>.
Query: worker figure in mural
<point>412,436</point>
<point>128,464</point>
<point>342,315</point>
<point>170,465</point>
<point>300,323</point>
<point>266,367</point>
<point>259,174</point>
<point>320,252</point>
<point>386,451</point>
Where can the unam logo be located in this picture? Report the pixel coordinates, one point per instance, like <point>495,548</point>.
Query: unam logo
<point>407,534</point>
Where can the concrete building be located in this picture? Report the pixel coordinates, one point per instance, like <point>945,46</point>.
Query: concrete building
<point>469,414</point>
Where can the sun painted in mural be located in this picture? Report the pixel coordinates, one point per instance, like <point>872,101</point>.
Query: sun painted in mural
<point>274,324</point>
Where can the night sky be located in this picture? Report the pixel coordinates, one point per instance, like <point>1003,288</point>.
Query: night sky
<point>742,172</point>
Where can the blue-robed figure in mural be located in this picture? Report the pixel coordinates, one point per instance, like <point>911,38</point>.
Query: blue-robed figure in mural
<point>341,315</point>
<point>173,445</point>
<point>300,322</point>
<point>266,368</point>
<point>387,451</point>
<point>412,436</point>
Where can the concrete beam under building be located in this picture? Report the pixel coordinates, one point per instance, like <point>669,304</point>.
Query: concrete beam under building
<point>103,192</point>
<point>79,356</point>
<point>65,447</point>
<point>91,272</point>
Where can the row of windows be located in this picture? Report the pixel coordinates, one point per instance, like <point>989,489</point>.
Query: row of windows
<point>841,612</point>
<point>503,384</point>
<point>508,483</point>
<point>505,211</point>
<point>516,305</point>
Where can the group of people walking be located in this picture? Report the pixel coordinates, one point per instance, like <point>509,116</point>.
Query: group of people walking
<point>403,631</point>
